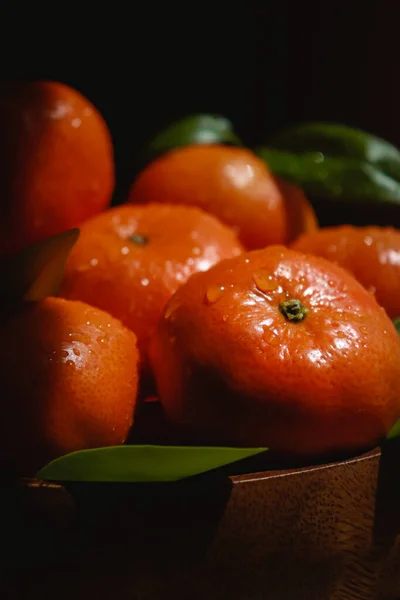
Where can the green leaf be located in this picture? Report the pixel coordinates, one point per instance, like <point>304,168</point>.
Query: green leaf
<point>141,463</point>
<point>394,432</point>
<point>396,323</point>
<point>37,271</point>
<point>333,177</point>
<point>333,139</point>
<point>193,129</point>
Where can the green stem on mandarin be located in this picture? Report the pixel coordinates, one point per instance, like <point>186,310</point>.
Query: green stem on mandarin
<point>139,239</point>
<point>293,310</point>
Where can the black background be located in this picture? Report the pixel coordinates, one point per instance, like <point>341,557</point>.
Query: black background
<point>262,64</point>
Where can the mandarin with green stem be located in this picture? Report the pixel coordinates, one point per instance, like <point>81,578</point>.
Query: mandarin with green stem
<point>280,349</point>
<point>130,260</point>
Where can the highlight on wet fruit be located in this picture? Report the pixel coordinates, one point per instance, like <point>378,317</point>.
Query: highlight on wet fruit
<point>280,349</point>
<point>129,260</point>
<point>56,162</point>
<point>233,184</point>
<point>230,283</point>
<point>68,381</point>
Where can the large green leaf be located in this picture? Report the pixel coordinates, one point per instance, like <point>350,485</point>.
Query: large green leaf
<point>141,463</point>
<point>333,139</point>
<point>193,129</point>
<point>333,177</point>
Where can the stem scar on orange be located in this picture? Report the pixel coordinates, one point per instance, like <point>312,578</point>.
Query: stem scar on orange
<point>130,259</point>
<point>279,349</point>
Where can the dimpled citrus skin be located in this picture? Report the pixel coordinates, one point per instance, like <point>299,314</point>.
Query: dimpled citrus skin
<point>133,281</point>
<point>57,164</point>
<point>231,183</point>
<point>372,254</point>
<point>231,368</point>
<point>68,381</point>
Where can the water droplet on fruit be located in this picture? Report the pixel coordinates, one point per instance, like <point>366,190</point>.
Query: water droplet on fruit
<point>94,262</point>
<point>270,337</point>
<point>363,329</point>
<point>264,281</point>
<point>124,250</point>
<point>145,282</point>
<point>214,293</point>
<point>70,363</point>
<point>225,318</point>
<point>87,322</point>
<point>340,334</point>
<point>64,353</point>
<point>368,240</point>
<point>77,352</point>
<point>100,340</point>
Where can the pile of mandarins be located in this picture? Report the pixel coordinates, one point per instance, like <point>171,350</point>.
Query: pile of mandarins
<point>211,287</point>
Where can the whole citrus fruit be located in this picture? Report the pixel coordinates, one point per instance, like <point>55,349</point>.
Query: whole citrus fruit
<point>371,254</point>
<point>276,348</point>
<point>56,162</point>
<point>130,259</point>
<point>68,381</point>
<point>231,183</point>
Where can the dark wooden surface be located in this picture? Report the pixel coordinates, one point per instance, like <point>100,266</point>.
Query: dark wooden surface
<point>330,532</point>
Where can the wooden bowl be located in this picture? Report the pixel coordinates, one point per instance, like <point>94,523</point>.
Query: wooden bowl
<point>329,531</point>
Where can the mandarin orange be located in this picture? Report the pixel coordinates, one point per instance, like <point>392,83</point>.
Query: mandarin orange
<point>280,349</point>
<point>231,183</point>
<point>68,381</point>
<point>56,157</point>
<point>371,254</point>
<point>130,259</point>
